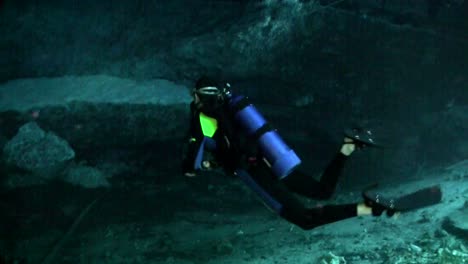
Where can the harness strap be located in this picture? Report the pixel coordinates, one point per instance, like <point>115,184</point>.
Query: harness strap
<point>267,199</point>
<point>209,144</point>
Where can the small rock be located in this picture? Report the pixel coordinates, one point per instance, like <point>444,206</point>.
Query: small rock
<point>415,248</point>
<point>333,259</point>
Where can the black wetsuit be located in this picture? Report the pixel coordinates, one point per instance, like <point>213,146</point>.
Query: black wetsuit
<point>234,154</point>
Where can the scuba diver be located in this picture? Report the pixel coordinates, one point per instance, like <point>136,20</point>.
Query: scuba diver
<point>227,132</point>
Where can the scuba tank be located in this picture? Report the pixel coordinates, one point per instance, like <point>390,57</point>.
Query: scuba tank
<point>279,156</point>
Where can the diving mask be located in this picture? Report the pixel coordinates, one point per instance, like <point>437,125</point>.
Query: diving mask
<point>211,98</point>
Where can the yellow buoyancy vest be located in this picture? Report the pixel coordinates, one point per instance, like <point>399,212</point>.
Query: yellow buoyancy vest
<point>208,124</point>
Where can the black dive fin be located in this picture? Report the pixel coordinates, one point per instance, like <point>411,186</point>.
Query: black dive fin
<point>418,199</point>
<point>421,198</point>
<point>362,137</point>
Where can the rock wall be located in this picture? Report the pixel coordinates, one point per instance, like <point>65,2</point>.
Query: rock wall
<point>311,68</point>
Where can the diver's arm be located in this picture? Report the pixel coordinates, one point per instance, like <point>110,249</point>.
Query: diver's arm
<point>191,146</point>
<point>188,161</point>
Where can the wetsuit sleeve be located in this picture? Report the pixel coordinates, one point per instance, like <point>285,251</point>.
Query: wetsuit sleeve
<point>191,143</point>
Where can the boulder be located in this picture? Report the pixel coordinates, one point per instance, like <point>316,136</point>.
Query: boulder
<point>38,151</point>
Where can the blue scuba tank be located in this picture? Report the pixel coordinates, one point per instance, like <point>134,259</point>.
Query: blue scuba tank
<point>281,158</point>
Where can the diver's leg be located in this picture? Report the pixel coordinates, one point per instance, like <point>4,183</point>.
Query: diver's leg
<point>306,185</point>
<point>308,218</point>
<point>291,208</point>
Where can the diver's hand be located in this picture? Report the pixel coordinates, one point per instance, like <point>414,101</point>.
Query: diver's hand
<point>348,147</point>
<point>206,164</point>
<point>209,165</point>
<point>190,174</point>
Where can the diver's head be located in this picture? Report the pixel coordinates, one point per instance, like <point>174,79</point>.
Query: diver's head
<point>208,96</point>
